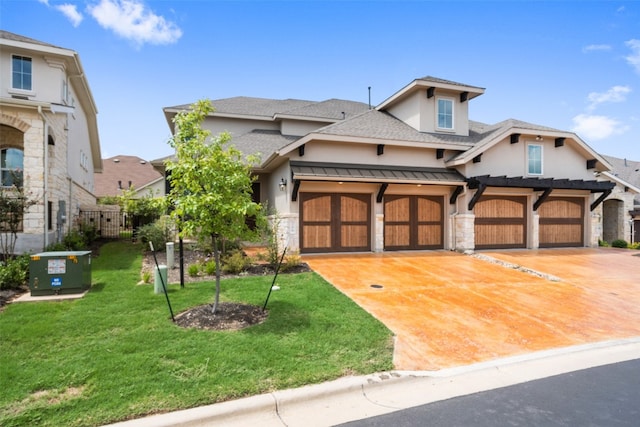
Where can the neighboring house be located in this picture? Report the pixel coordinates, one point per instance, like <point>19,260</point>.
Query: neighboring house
<point>627,172</point>
<point>48,134</point>
<point>415,173</point>
<point>128,172</point>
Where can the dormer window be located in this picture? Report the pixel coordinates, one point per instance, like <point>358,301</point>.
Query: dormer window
<point>21,72</point>
<point>445,113</point>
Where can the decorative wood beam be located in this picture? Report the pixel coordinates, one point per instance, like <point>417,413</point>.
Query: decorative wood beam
<point>383,188</point>
<point>464,96</point>
<point>456,192</point>
<point>600,199</point>
<point>439,153</point>
<point>301,150</point>
<point>430,92</point>
<point>515,138</point>
<point>559,142</point>
<point>542,198</point>
<point>296,188</point>
<point>477,196</point>
<point>478,158</point>
<point>380,149</point>
<point>591,163</point>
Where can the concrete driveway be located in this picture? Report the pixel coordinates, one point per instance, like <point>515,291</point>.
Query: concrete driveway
<point>448,309</point>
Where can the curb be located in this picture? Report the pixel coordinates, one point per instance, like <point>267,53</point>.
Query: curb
<point>352,398</point>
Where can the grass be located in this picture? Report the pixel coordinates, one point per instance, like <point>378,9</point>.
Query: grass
<point>115,354</point>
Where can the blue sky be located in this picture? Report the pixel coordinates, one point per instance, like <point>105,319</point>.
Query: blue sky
<point>571,65</point>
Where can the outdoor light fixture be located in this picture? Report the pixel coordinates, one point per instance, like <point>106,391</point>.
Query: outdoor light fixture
<point>283,184</point>
<point>538,138</point>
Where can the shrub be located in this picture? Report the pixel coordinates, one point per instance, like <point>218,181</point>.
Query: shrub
<point>210,268</point>
<point>193,270</point>
<point>14,272</point>
<point>619,243</point>
<point>635,245</point>
<point>603,243</point>
<point>235,262</point>
<point>146,276</point>
<point>75,240</point>
<point>159,233</point>
<point>291,260</point>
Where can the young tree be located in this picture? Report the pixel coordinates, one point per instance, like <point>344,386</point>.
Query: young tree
<point>210,183</point>
<point>13,203</point>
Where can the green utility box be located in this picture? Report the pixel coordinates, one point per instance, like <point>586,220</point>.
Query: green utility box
<point>55,273</point>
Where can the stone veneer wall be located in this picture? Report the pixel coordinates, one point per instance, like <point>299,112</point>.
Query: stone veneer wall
<point>60,186</point>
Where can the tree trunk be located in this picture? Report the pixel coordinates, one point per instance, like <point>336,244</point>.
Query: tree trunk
<point>216,257</point>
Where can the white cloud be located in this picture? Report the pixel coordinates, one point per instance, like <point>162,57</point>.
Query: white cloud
<point>596,47</point>
<point>615,94</point>
<point>71,12</point>
<point>634,58</point>
<point>592,127</point>
<point>132,20</point>
<point>44,2</point>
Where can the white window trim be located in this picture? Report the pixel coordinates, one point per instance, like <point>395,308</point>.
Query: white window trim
<point>18,91</point>
<point>453,115</point>
<point>541,159</point>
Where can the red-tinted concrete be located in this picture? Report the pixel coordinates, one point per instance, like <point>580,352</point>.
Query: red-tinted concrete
<point>449,309</point>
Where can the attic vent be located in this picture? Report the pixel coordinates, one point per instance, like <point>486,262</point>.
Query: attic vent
<point>143,162</point>
<point>24,98</point>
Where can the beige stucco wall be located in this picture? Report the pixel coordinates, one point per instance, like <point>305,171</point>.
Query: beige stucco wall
<point>510,160</point>
<point>366,154</point>
<point>235,127</point>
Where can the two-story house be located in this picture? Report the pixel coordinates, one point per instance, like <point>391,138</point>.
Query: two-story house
<point>416,173</point>
<point>48,135</point>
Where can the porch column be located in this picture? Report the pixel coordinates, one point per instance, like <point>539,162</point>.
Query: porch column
<point>464,232</point>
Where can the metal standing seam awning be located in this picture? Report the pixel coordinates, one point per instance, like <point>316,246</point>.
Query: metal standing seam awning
<point>383,175</point>
<point>547,185</point>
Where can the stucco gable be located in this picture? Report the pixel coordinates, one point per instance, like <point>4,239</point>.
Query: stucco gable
<point>496,133</point>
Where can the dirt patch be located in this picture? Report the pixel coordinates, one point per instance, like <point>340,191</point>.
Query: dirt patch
<point>229,316</point>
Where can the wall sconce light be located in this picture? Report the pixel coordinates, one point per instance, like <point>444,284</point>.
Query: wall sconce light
<point>283,184</point>
<point>538,138</point>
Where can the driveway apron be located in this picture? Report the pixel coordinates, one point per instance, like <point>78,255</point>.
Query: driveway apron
<point>448,309</point>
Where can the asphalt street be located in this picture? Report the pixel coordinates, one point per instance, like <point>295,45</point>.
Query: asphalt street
<point>603,396</point>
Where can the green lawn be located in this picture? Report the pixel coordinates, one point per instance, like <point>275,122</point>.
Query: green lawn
<point>115,354</point>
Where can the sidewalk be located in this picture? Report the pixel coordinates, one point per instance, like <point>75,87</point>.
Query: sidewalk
<point>353,398</point>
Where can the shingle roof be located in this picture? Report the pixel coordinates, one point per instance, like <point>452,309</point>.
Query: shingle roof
<point>444,81</point>
<point>376,124</point>
<point>123,169</point>
<point>627,170</point>
<point>18,38</point>
<point>330,109</point>
<point>261,142</point>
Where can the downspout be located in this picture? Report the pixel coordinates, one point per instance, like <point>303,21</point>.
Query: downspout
<point>45,146</point>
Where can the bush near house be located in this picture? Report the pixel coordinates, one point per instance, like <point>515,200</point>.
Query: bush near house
<point>14,272</point>
<point>619,243</point>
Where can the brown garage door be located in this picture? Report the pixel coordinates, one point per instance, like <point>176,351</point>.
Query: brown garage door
<point>335,222</point>
<point>500,222</point>
<point>561,222</point>
<point>413,222</point>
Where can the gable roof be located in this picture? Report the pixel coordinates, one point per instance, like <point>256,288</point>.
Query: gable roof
<point>122,170</point>
<point>627,171</point>
<point>430,82</point>
<point>498,132</point>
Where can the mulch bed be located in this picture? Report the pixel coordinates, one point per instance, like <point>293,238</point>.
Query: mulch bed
<point>228,316</point>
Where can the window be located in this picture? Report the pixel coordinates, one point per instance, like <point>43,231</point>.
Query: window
<point>11,166</point>
<point>21,66</point>
<point>534,159</point>
<point>445,113</point>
